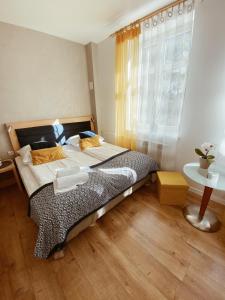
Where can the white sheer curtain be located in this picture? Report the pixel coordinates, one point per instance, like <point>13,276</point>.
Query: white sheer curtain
<point>165,44</point>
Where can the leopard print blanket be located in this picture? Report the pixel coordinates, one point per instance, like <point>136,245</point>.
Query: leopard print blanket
<point>57,214</point>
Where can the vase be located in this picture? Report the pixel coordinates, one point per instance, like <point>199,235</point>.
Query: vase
<point>204,163</point>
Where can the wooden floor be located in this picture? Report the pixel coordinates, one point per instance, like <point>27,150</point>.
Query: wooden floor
<point>139,250</point>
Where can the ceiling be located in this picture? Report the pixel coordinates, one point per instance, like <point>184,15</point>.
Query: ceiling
<point>81,21</point>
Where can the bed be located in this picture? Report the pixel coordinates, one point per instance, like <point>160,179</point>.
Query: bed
<point>72,212</point>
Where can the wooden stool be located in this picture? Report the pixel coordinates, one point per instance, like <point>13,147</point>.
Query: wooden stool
<point>172,188</point>
<point>8,166</point>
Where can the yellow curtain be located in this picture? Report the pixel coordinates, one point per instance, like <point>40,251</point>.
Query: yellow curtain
<point>127,61</point>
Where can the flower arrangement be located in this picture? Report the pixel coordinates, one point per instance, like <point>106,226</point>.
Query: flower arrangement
<point>205,157</point>
<point>204,153</point>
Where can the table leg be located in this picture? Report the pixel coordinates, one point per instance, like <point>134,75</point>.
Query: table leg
<point>205,200</point>
<point>17,178</point>
<point>200,217</point>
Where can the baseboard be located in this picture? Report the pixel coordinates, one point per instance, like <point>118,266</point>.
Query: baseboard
<point>214,198</point>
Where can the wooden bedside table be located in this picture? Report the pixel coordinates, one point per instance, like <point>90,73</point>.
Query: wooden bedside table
<point>5,178</point>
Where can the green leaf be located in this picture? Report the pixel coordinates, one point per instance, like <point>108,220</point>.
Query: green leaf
<point>199,152</point>
<point>210,157</point>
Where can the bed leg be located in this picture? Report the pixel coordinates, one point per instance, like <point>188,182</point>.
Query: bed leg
<point>153,178</point>
<point>58,254</point>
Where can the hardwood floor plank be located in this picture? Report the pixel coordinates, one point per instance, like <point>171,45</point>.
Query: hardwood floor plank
<point>154,271</point>
<point>21,285</point>
<point>72,279</point>
<point>98,272</point>
<point>6,291</point>
<point>159,242</point>
<point>199,286</point>
<point>138,250</point>
<point>123,269</point>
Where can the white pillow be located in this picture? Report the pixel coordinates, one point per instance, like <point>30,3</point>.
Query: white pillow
<point>24,152</point>
<point>73,140</point>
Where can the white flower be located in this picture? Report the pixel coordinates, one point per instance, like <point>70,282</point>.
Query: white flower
<point>207,147</point>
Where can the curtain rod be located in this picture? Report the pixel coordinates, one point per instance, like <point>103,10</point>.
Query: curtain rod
<point>152,14</point>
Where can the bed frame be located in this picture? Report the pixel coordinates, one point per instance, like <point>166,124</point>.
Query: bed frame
<point>12,129</point>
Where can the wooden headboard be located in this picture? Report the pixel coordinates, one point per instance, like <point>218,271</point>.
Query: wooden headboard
<point>73,125</point>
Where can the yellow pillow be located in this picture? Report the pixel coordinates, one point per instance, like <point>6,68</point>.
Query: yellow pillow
<point>89,142</point>
<point>42,156</point>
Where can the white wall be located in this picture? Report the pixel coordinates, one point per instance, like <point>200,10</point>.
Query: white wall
<point>203,116</point>
<point>40,77</point>
<point>104,69</point>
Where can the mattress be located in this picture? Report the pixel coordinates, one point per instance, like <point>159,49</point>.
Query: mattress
<point>105,151</point>
<point>34,177</point>
<point>27,177</point>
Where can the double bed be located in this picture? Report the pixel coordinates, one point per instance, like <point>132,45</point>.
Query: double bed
<point>33,177</point>
<point>114,173</point>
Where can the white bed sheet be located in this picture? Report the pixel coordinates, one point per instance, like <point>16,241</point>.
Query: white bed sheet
<point>34,178</point>
<point>105,151</point>
<point>30,183</point>
<point>46,172</point>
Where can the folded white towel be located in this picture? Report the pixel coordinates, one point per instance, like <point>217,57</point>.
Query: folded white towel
<point>67,183</point>
<point>67,171</point>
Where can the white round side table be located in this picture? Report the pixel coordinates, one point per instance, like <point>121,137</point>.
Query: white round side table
<point>199,216</point>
